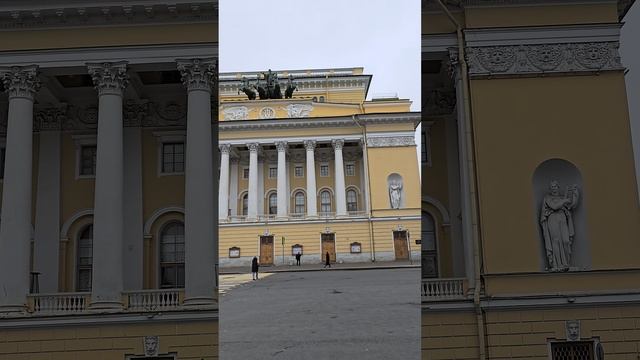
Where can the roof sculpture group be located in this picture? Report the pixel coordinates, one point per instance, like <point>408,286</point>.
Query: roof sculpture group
<point>267,88</point>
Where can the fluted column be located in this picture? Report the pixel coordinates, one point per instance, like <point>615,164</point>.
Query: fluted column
<point>252,201</point>
<point>223,190</point>
<point>312,207</point>
<point>341,201</point>
<point>110,80</point>
<point>282,195</point>
<point>198,76</point>
<point>15,222</point>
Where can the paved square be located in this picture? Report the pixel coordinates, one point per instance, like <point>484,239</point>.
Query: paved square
<point>335,314</point>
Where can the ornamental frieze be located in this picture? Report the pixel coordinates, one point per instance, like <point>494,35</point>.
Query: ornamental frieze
<point>439,102</point>
<point>390,141</point>
<point>514,60</point>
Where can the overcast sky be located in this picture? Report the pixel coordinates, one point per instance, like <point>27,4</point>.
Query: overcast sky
<point>382,36</point>
<point>630,52</point>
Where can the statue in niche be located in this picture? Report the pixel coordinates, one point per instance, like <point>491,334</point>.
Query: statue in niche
<point>247,89</point>
<point>557,225</point>
<point>395,191</point>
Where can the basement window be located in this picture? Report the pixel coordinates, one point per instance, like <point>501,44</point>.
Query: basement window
<point>572,350</point>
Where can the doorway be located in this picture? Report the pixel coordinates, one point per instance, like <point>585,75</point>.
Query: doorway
<point>328,245</point>
<point>266,250</point>
<point>401,244</point>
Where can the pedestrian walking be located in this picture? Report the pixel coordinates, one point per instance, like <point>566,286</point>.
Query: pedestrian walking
<point>327,260</point>
<point>298,256</point>
<point>254,268</point>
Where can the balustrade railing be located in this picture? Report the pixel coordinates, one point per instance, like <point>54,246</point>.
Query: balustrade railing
<point>443,289</point>
<point>232,219</point>
<point>59,303</point>
<point>151,300</point>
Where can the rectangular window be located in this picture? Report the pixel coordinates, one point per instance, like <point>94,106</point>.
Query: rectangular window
<point>87,160</point>
<point>572,350</point>
<point>245,173</point>
<point>350,169</point>
<point>299,171</point>
<point>273,172</point>
<point>324,170</point>
<point>173,157</point>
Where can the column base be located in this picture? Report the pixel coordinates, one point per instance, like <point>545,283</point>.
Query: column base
<point>282,218</point>
<point>312,217</point>
<point>342,216</point>
<point>106,305</point>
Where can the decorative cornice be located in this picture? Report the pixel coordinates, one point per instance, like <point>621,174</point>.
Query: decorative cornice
<point>20,17</point>
<point>337,144</point>
<point>20,81</point>
<point>517,60</point>
<point>199,74</point>
<point>395,141</point>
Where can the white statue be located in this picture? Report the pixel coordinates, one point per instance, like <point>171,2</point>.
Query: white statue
<point>395,192</point>
<point>557,225</point>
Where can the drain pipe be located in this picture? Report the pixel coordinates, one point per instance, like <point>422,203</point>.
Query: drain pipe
<point>365,158</point>
<point>472,183</point>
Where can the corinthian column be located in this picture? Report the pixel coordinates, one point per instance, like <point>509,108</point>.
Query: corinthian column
<point>198,76</point>
<point>110,80</point>
<point>282,195</point>
<point>15,222</point>
<point>312,208</point>
<point>252,200</point>
<point>341,201</point>
<point>223,190</point>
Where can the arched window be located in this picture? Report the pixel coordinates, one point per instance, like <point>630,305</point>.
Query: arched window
<point>84,259</point>
<point>429,247</point>
<point>299,203</point>
<point>172,256</point>
<point>273,203</point>
<point>352,200</point>
<point>325,201</point>
<point>245,204</point>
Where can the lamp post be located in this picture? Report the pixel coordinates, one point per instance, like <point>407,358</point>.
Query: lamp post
<point>283,250</point>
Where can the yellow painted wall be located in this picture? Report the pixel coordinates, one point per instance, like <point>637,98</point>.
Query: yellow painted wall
<point>75,195</point>
<point>191,340</point>
<point>485,17</point>
<point>582,119</point>
<point>109,36</point>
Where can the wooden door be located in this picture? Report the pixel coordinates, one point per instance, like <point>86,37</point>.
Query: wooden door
<point>266,250</point>
<point>329,246</point>
<point>401,245</point>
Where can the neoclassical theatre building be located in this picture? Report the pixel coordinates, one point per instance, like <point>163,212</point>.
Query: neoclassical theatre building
<point>107,226</point>
<point>309,165</point>
<point>531,215</point>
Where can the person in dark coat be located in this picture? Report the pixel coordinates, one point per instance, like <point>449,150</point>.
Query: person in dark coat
<point>254,268</point>
<point>327,260</point>
<point>298,255</point>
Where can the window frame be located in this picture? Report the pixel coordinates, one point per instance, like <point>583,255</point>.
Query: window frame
<point>330,201</point>
<point>245,170</point>
<point>301,167</point>
<point>272,209</point>
<point>273,175</point>
<point>175,264</point>
<point>163,170</point>
<point>169,137</point>
<point>80,141</point>
<point>322,164</point>
<point>295,202</point>
<point>351,164</point>
<point>355,194</point>
<point>83,267</point>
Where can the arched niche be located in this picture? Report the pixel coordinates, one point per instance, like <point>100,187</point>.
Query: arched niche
<point>395,188</point>
<point>553,181</point>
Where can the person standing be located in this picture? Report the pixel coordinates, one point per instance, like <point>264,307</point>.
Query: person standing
<point>298,255</point>
<point>327,260</point>
<point>254,268</point>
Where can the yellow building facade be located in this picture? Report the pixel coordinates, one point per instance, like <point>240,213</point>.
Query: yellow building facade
<point>107,229</point>
<point>315,169</point>
<point>530,208</point>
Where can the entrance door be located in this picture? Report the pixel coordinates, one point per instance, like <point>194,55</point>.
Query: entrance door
<point>266,250</point>
<point>401,245</point>
<point>328,246</point>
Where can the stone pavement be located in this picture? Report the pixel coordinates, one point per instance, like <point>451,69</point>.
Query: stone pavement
<point>320,267</point>
<point>230,281</point>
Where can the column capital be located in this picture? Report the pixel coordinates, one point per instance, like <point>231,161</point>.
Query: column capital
<point>20,81</point>
<point>225,148</point>
<point>198,74</point>
<point>282,145</point>
<point>253,147</point>
<point>310,145</point>
<point>109,78</point>
<point>337,144</point>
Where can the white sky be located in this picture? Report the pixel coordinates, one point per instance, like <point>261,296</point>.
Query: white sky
<point>630,52</point>
<point>383,36</point>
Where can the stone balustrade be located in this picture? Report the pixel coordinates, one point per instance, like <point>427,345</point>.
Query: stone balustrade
<point>443,289</point>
